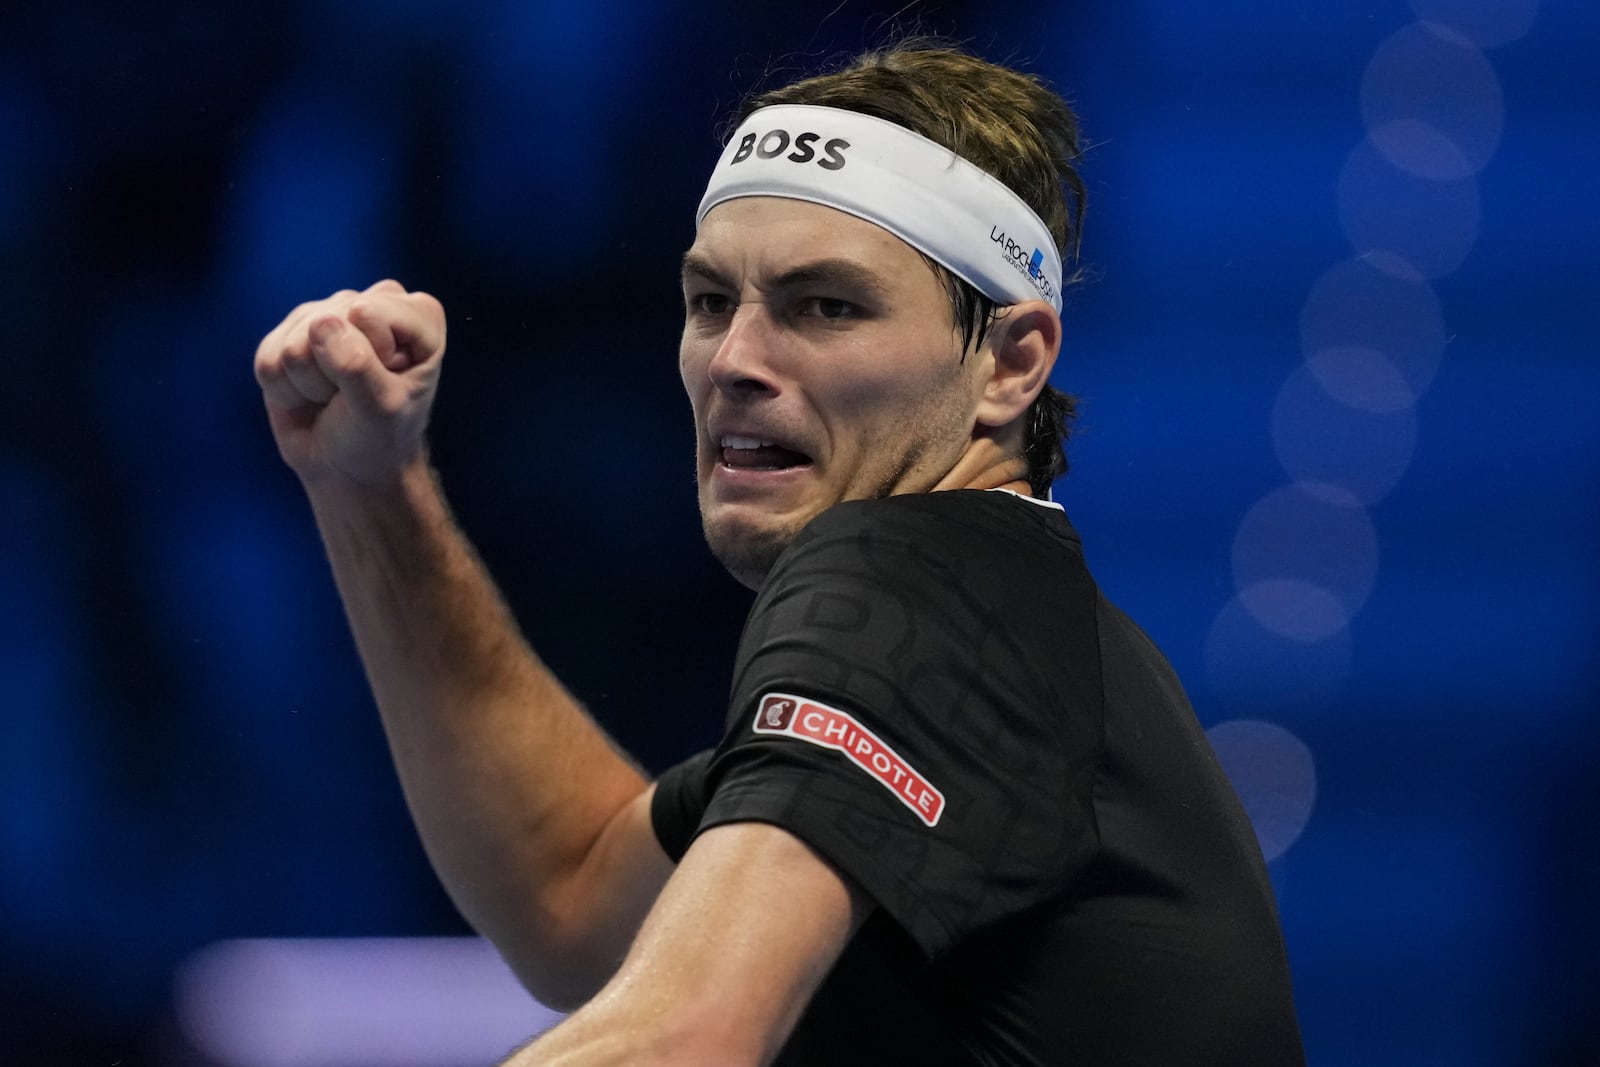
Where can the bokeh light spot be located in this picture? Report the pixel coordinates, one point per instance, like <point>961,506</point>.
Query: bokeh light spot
<point>1256,673</point>
<point>361,1002</point>
<point>1362,379</point>
<point>1275,776</point>
<point>1486,23</point>
<point>1367,303</point>
<point>1431,225</point>
<point>1319,439</point>
<point>1298,610</point>
<point>1310,535</point>
<point>1432,103</point>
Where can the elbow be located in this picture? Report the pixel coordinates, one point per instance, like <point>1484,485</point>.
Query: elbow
<point>561,981</point>
<point>559,958</point>
<point>558,992</point>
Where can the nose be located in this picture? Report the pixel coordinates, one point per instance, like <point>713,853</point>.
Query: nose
<point>743,364</point>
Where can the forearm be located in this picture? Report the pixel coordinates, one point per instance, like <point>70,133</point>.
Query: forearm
<point>731,954</point>
<point>509,782</point>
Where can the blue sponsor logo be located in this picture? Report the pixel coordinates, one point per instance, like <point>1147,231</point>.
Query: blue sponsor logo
<point>1031,265</point>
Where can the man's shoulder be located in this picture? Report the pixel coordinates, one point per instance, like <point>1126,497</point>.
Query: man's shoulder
<point>942,514</point>
<point>970,543</point>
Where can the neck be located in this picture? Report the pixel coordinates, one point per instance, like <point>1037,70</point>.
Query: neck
<point>985,465</point>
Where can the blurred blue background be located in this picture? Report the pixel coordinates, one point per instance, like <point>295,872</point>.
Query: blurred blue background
<point>1338,454</point>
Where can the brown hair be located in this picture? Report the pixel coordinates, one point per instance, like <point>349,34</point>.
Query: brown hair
<point>1010,124</point>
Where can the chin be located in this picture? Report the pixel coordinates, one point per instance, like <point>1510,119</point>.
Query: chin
<point>747,553</point>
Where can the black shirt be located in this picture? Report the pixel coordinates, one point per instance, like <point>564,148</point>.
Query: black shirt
<point>932,693</point>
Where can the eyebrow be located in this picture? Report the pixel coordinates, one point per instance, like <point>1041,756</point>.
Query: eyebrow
<point>843,272</point>
<point>697,266</point>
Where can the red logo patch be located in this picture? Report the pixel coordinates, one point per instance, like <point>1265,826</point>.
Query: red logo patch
<point>782,713</point>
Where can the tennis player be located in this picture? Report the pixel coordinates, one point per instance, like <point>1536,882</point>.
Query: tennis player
<point>962,812</point>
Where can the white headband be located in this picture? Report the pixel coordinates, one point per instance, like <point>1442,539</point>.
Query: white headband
<point>918,190</point>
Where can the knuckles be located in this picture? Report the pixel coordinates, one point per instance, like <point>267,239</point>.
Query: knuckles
<point>285,353</point>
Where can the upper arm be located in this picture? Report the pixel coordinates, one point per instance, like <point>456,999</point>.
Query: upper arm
<point>728,958</point>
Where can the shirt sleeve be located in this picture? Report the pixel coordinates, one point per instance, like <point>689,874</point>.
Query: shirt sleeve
<point>679,803</point>
<point>885,711</point>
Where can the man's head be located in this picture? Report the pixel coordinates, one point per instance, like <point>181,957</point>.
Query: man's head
<point>903,342</point>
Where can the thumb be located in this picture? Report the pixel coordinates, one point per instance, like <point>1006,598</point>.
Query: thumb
<point>348,359</point>
<point>405,329</point>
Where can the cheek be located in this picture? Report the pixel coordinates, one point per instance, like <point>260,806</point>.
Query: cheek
<point>893,391</point>
<point>869,381</point>
<point>688,369</point>
<point>892,414</point>
<point>692,371</point>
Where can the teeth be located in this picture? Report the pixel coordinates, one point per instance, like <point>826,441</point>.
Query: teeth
<point>735,441</point>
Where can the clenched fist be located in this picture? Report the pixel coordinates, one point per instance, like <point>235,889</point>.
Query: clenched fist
<point>349,382</point>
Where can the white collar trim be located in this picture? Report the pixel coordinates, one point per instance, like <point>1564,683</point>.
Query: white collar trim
<point>1030,499</point>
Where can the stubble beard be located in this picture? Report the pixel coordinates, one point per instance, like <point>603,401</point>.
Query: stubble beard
<point>749,554</point>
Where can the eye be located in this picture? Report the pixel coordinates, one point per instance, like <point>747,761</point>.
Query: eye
<point>709,303</point>
<point>827,307</point>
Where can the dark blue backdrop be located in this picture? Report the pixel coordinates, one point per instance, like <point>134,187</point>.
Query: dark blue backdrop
<point>1338,453</point>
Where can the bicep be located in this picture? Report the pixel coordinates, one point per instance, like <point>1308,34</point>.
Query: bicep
<point>738,941</point>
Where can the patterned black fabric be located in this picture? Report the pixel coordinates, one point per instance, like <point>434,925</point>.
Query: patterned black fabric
<point>1089,889</point>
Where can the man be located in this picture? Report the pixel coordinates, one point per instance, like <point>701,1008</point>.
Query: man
<point>962,812</point>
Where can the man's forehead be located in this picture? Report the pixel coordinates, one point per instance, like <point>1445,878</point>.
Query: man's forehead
<point>776,236</point>
<point>778,273</point>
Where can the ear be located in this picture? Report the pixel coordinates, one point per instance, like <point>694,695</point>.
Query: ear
<point>1022,347</point>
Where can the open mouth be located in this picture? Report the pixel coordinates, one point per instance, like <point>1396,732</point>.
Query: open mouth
<point>757,454</point>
